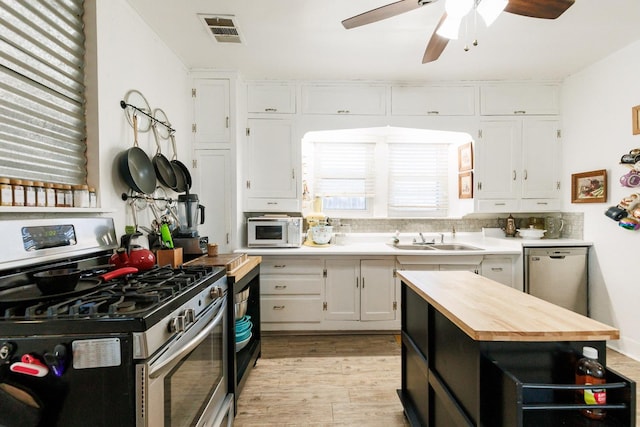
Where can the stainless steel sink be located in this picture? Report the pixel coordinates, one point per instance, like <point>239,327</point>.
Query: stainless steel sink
<point>436,246</point>
<point>455,247</point>
<point>413,247</point>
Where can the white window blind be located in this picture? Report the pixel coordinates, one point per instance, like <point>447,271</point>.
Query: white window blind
<point>42,116</point>
<point>344,174</point>
<point>418,181</point>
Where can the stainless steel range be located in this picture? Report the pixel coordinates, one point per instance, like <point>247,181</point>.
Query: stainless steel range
<point>120,348</point>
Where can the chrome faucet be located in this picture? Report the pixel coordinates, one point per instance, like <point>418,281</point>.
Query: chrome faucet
<point>422,237</point>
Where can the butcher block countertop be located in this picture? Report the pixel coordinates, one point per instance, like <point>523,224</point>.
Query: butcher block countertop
<point>489,311</point>
<point>238,265</point>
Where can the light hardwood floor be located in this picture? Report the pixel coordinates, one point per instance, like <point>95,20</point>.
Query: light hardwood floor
<point>336,380</point>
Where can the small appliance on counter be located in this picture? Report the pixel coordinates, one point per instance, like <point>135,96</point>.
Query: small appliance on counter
<point>275,231</point>
<point>186,236</point>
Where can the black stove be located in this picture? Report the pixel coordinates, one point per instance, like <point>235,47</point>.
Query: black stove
<point>115,333</point>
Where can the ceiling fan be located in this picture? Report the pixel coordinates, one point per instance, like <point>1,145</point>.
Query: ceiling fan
<point>450,21</point>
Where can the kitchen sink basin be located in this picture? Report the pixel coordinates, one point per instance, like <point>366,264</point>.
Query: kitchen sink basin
<point>455,247</point>
<point>437,246</point>
<point>413,247</point>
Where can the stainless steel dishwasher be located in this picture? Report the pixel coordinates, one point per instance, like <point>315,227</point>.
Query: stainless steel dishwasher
<point>558,275</point>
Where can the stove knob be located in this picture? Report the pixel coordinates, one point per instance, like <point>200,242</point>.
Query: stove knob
<point>177,324</point>
<point>190,315</point>
<point>216,292</point>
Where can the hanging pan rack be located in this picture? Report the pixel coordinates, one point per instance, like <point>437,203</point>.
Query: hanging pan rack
<point>125,105</point>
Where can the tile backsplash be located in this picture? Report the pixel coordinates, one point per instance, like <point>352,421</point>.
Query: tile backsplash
<point>572,229</point>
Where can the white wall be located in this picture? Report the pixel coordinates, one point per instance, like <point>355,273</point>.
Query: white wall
<point>596,132</point>
<point>130,56</point>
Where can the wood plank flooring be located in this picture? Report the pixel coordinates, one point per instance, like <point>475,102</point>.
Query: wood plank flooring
<point>336,380</point>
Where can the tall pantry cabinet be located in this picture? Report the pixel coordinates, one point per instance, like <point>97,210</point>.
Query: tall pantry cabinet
<point>213,167</point>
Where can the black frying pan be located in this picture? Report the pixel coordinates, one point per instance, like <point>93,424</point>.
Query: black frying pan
<point>186,175</point>
<point>163,167</point>
<point>135,166</point>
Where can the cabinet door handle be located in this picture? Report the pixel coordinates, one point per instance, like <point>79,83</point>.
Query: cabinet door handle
<point>526,174</point>
<point>270,110</point>
<point>514,175</point>
<point>496,268</point>
<point>433,112</point>
<point>519,112</point>
<point>227,122</point>
<point>279,266</point>
<point>357,282</point>
<point>363,283</point>
<point>278,307</point>
<point>343,111</point>
<point>281,286</point>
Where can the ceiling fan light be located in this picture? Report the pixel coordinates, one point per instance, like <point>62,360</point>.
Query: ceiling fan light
<point>491,9</point>
<point>458,8</point>
<point>450,28</point>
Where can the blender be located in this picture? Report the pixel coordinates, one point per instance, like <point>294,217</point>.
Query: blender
<point>190,215</point>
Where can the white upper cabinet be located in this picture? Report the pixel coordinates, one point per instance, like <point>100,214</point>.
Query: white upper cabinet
<point>433,100</point>
<point>211,111</point>
<point>522,98</point>
<point>271,98</point>
<point>518,165</point>
<point>272,165</point>
<point>343,99</point>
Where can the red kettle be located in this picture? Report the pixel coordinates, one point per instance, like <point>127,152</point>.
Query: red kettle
<point>128,255</point>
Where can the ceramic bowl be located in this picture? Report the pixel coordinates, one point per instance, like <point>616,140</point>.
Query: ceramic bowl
<point>321,234</point>
<point>531,233</point>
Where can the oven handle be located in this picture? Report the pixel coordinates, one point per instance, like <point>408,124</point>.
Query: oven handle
<point>190,346</point>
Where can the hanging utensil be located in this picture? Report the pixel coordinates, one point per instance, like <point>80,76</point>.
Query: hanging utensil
<point>163,167</point>
<point>135,166</point>
<point>185,185</point>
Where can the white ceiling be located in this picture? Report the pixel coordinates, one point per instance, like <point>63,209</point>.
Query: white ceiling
<point>304,39</point>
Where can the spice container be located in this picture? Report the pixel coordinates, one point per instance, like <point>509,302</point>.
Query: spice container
<point>41,197</point>
<point>59,195</point>
<point>68,195</point>
<point>29,193</point>
<point>93,198</point>
<point>18,192</point>
<point>6,192</point>
<point>81,196</point>
<point>50,194</point>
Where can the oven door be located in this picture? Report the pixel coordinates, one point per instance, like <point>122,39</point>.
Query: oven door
<point>186,384</point>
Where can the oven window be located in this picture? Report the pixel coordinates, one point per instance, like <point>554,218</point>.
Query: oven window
<point>269,232</point>
<point>191,384</point>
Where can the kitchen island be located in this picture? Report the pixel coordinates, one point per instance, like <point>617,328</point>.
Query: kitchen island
<point>475,352</point>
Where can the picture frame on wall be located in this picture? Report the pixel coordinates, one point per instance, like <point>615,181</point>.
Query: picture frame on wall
<point>465,185</point>
<point>589,187</point>
<point>465,157</point>
<point>635,119</point>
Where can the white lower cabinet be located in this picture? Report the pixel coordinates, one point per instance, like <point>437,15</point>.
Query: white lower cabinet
<point>328,294</point>
<point>290,292</point>
<point>498,268</point>
<point>360,289</point>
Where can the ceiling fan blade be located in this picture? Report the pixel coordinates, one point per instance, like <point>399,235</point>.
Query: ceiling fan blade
<point>384,12</point>
<point>545,9</point>
<point>436,45</point>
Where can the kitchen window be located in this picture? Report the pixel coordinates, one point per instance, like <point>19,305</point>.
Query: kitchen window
<point>378,174</point>
<point>42,119</point>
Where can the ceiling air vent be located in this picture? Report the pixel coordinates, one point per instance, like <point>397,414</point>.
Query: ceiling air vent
<point>222,27</point>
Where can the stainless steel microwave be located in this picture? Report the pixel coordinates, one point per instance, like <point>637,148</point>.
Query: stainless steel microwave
<point>274,232</point>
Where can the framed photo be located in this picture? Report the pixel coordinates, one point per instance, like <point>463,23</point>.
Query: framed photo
<point>635,119</point>
<point>465,185</point>
<point>465,157</point>
<point>589,187</point>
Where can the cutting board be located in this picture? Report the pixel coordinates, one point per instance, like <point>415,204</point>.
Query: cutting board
<point>229,261</point>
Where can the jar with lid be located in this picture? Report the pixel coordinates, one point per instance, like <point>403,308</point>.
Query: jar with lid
<point>81,196</point>
<point>59,195</point>
<point>50,194</point>
<point>6,192</point>
<point>93,198</point>
<point>68,195</point>
<point>18,192</point>
<point>29,193</point>
<point>41,198</point>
